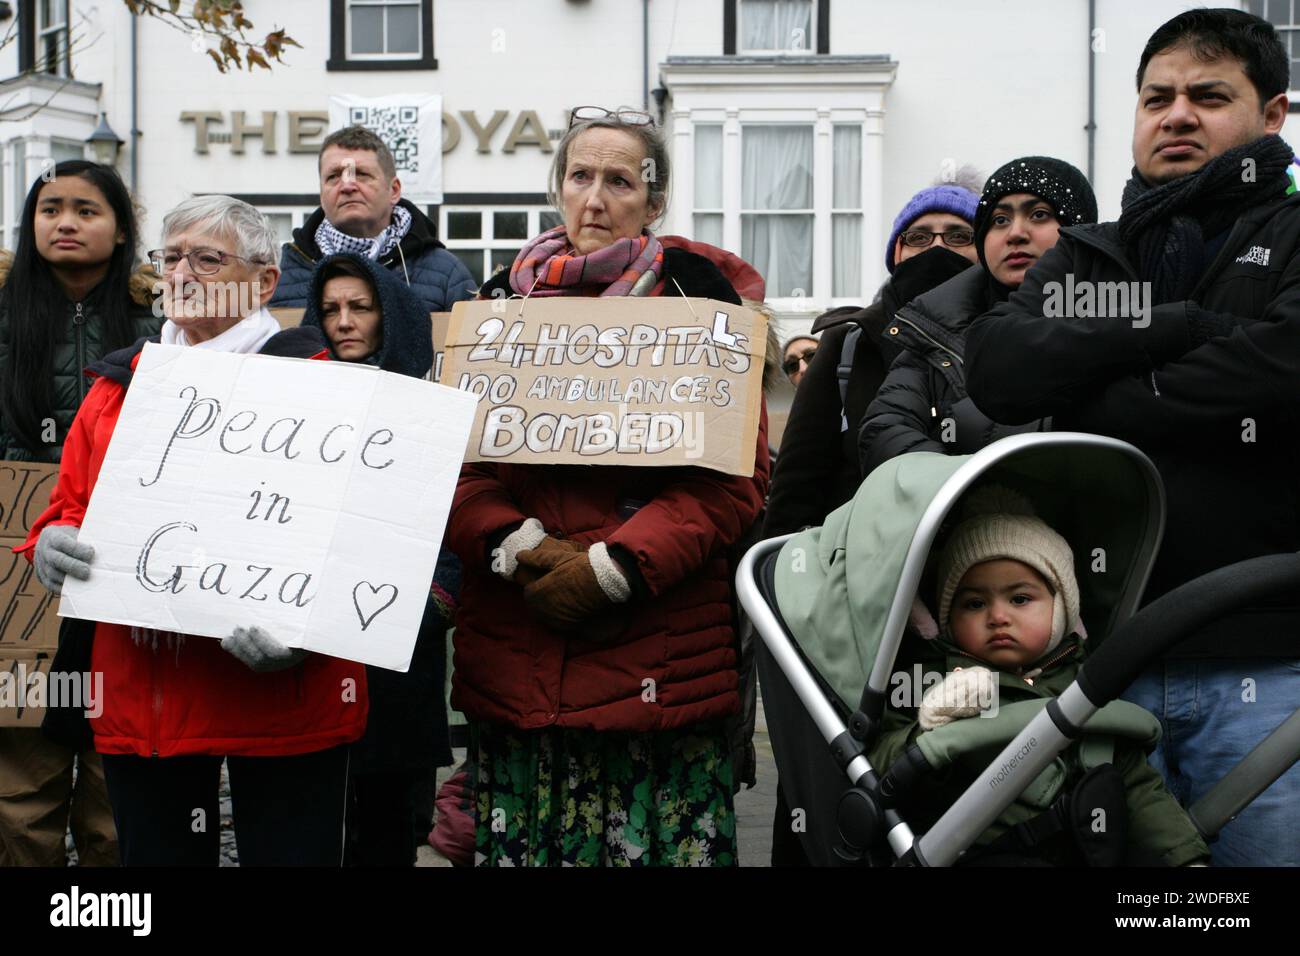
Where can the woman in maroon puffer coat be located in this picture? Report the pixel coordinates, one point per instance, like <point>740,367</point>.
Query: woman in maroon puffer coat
<point>595,653</point>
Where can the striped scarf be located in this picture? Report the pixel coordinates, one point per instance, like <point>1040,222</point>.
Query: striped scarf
<point>548,265</point>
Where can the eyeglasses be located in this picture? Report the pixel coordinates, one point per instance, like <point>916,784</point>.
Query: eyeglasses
<point>791,365</point>
<point>204,262</point>
<point>920,238</point>
<point>584,114</point>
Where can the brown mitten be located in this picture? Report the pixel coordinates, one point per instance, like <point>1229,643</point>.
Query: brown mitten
<point>573,587</point>
<point>528,571</point>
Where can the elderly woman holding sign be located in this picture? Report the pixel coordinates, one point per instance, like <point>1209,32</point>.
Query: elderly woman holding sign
<point>595,651</point>
<point>174,707</point>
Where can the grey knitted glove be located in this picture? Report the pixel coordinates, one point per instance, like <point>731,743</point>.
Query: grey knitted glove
<point>260,651</point>
<point>58,554</point>
<point>504,557</point>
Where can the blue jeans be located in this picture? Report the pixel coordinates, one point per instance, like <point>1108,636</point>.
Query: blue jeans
<point>1210,718</point>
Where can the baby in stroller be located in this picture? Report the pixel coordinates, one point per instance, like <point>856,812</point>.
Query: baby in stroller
<point>1008,630</point>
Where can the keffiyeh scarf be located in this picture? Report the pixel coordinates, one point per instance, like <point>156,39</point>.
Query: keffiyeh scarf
<point>329,240</point>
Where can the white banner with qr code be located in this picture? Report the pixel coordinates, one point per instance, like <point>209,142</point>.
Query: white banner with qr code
<point>410,124</point>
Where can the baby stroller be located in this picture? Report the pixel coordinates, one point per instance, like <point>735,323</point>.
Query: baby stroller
<point>825,664</point>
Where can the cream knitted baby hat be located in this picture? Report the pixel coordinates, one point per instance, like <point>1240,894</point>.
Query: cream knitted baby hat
<point>1002,524</point>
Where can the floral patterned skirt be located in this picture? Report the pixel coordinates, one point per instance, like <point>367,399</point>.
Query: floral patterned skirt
<point>561,797</point>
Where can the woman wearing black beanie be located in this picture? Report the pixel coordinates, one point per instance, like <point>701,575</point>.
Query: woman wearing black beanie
<point>923,405</point>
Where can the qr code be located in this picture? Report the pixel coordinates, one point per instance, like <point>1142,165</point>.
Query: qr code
<point>398,127</point>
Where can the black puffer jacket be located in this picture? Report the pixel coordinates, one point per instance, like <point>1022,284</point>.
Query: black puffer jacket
<point>817,469</point>
<point>79,345</point>
<point>923,405</point>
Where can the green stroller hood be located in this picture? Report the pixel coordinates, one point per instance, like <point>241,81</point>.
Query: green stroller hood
<point>845,589</point>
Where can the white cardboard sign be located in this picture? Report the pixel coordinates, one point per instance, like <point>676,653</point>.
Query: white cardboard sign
<point>307,498</point>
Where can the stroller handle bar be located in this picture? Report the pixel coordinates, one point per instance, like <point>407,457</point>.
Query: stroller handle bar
<point>1175,616</point>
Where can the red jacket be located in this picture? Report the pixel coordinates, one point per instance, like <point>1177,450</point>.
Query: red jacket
<point>196,698</point>
<point>673,661</point>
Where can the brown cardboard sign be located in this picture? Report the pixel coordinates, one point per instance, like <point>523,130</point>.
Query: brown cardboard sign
<point>24,687</point>
<point>27,611</point>
<point>291,318</point>
<point>610,381</point>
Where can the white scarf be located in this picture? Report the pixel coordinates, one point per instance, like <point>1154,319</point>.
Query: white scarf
<point>245,337</point>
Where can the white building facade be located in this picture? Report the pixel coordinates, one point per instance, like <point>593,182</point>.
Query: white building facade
<point>798,128</point>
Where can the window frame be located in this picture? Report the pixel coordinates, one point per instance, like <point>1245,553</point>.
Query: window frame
<point>810,212</point>
<point>823,211</point>
<point>820,42</point>
<point>697,210</point>
<point>42,31</point>
<point>1289,34</point>
<point>342,60</point>
<point>487,242</point>
<point>860,210</point>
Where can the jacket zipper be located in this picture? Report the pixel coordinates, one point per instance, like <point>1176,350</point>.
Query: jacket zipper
<point>1061,656</point>
<point>920,332</point>
<point>79,332</point>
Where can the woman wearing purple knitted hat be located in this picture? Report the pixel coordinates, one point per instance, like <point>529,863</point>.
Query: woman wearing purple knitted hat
<point>817,469</point>
<point>923,405</point>
<point>932,240</point>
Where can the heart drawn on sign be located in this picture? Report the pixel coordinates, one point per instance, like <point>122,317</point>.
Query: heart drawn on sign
<point>371,597</point>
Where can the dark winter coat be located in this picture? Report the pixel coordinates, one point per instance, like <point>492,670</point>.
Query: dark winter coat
<point>195,699</point>
<point>676,524</point>
<point>407,729</point>
<point>436,276</point>
<point>818,468</point>
<point>923,405</point>
<point>80,344</point>
<point>1208,388</point>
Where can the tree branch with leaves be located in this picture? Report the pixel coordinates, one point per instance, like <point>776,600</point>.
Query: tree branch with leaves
<point>223,22</point>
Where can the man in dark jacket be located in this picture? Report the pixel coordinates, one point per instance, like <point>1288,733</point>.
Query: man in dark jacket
<point>363,212</point>
<point>817,468</point>
<point>1177,328</point>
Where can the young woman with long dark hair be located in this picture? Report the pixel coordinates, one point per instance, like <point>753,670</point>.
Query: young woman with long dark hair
<point>69,294</point>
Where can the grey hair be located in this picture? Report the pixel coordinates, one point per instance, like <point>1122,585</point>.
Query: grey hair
<point>656,152</point>
<point>227,216</point>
